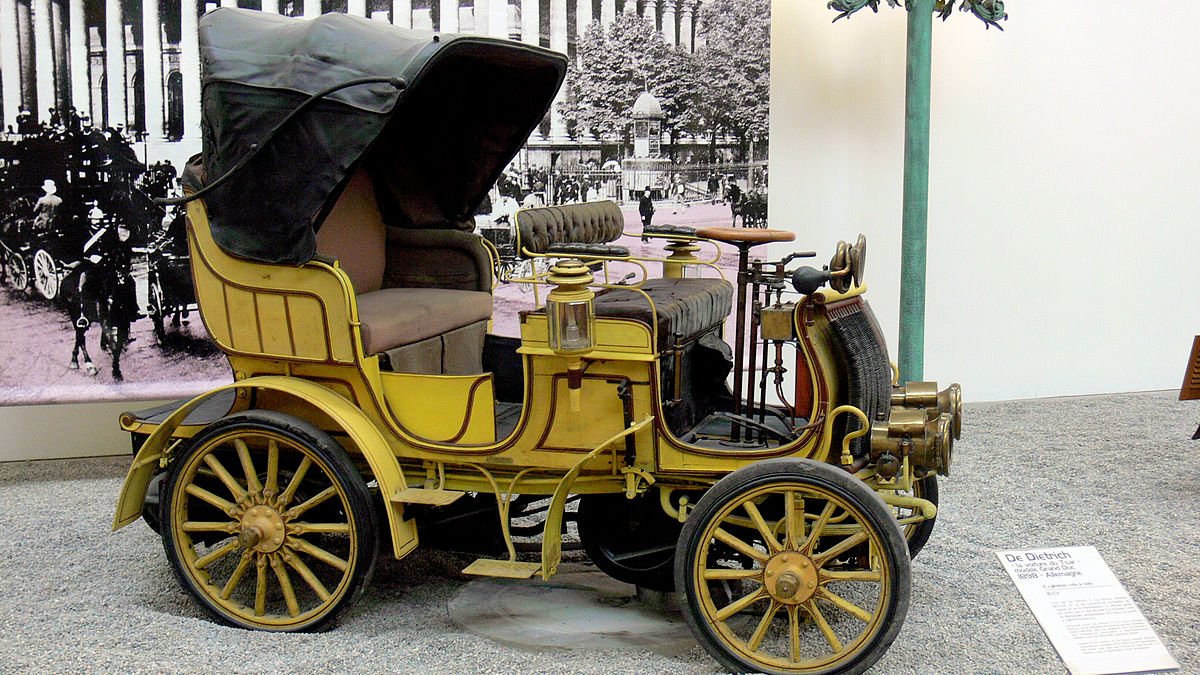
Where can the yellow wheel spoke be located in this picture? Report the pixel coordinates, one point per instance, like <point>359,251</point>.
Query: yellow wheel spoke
<point>308,576</point>
<point>272,486</point>
<point>317,552</point>
<point>839,548</point>
<point>294,485</point>
<point>322,528</point>
<point>260,588</point>
<point>238,492</point>
<point>218,553</point>
<point>738,605</point>
<point>857,575</point>
<point>248,469</point>
<point>739,545</point>
<point>200,493</point>
<point>285,584</point>
<point>845,605</point>
<point>321,497</point>
<point>229,527</point>
<point>817,528</point>
<point>719,573</point>
<point>791,540</point>
<point>767,535</point>
<point>794,632</point>
<point>834,643</point>
<point>760,632</point>
<point>243,565</point>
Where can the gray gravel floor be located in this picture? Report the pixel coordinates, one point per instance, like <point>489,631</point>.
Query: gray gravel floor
<point>1109,471</point>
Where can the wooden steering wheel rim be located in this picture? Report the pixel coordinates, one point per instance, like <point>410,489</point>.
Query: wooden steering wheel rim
<point>746,235</point>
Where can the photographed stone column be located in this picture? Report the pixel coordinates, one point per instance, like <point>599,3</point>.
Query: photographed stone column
<point>43,57</point>
<point>583,16</point>
<point>229,3</point>
<point>449,16</point>
<point>356,7</point>
<point>402,13</point>
<point>62,76</point>
<point>152,79</point>
<point>189,68</point>
<point>558,42</point>
<point>630,7</point>
<point>10,62</point>
<point>270,6</point>
<point>531,22</point>
<point>77,38</point>
<point>25,36</point>
<point>608,11</point>
<point>650,12</point>
<point>491,18</point>
<point>312,9</point>
<point>685,24</point>
<point>114,63</point>
<point>668,22</point>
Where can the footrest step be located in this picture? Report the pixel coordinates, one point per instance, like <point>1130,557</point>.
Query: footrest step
<point>486,567</point>
<point>426,496</point>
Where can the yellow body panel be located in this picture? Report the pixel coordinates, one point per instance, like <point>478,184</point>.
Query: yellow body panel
<point>443,408</point>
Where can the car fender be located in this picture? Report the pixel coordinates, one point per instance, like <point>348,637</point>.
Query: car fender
<point>361,430</point>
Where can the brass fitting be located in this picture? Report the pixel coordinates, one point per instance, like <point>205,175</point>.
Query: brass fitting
<point>924,435</point>
<point>925,395</point>
<point>777,322</point>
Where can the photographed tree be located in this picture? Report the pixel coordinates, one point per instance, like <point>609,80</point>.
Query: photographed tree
<point>723,88</point>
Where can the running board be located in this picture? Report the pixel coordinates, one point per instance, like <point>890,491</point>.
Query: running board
<point>507,569</point>
<point>425,496</point>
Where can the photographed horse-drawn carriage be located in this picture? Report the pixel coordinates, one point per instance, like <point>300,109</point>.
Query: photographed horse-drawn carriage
<point>330,230</point>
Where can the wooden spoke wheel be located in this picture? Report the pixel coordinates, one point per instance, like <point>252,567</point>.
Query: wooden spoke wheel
<point>268,523</point>
<point>157,308</point>
<point>793,566</point>
<point>917,533</point>
<point>16,271</point>
<point>630,540</point>
<point>45,274</point>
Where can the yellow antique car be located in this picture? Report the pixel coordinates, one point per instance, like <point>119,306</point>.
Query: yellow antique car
<point>329,223</point>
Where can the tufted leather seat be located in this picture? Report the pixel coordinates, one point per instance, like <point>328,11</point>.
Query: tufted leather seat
<point>685,308</point>
<point>588,223</point>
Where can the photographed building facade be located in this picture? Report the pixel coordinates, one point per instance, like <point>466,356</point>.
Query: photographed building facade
<point>134,65</point>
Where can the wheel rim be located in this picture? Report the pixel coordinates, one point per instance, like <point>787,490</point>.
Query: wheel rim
<point>18,275</point>
<point>789,577</point>
<point>45,274</point>
<point>240,526</point>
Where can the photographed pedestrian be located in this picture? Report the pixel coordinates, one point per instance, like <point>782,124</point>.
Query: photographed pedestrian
<point>646,206</point>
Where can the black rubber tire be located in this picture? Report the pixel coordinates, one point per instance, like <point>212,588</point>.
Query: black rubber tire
<point>611,527</point>
<point>877,517</point>
<point>336,466</point>
<point>918,534</point>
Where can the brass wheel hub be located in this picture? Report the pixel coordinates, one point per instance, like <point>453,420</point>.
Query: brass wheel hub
<point>790,577</point>
<point>262,529</point>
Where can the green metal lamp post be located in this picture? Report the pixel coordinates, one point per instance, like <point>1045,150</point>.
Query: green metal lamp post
<point>911,354</point>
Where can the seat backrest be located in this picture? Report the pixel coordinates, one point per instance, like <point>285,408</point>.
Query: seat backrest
<point>449,259</point>
<point>354,234</point>
<point>589,223</point>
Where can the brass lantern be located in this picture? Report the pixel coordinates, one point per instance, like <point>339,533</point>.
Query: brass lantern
<point>572,320</point>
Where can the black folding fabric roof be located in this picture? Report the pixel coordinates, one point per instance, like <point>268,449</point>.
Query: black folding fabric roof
<point>432,149</point>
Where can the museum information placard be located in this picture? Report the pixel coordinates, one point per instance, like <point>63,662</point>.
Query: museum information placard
<point>1086,612</point>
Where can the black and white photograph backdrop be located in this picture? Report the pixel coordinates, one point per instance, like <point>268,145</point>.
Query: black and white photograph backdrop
<point>664,110</point>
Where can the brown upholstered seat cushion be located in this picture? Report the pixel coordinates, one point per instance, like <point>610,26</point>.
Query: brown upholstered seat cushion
<point>393,317</point>
<point>685,307</point>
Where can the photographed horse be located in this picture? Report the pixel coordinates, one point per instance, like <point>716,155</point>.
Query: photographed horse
<point>100,293</point>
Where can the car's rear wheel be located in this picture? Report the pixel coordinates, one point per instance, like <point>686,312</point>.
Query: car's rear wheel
<point>268,524</point>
